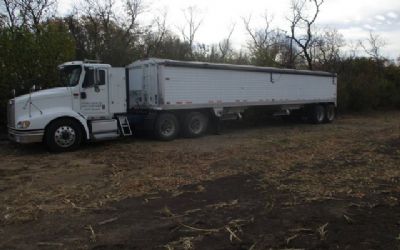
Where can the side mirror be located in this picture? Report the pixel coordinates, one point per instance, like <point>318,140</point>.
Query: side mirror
<point>97,77</point>
<point>96,80</point>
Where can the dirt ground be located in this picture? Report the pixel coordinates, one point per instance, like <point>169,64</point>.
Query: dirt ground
<point>271,185</point>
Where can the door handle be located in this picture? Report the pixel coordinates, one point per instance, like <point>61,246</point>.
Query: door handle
<point>83,95</point>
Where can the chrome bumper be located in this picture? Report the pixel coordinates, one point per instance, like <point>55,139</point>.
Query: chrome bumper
<point>22,136</point>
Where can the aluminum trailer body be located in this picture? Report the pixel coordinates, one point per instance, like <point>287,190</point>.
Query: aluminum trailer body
<point>169,85</point>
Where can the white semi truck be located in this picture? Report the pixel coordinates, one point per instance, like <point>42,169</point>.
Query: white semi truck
<point>98,102</point>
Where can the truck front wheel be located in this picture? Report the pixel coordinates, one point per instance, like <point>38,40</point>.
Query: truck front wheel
<point>166,127</point>
<point>195,124</point>
<point>63,135</point>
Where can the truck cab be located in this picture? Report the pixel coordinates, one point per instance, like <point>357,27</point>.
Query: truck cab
<point>85,106</point>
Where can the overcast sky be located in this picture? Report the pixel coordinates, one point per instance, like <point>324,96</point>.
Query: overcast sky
<point>352,18</point>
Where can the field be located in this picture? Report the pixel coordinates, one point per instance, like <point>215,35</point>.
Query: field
<point>270,185</point>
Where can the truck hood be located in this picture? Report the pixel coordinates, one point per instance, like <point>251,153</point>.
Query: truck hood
<point>44,94</point>
<point>35,106</point>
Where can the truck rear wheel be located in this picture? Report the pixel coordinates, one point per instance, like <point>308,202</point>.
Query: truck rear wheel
<point>166,127</point>
<point>329,113</point>
<point>63,135</point>
<point>317,114</point>
<point>195,124</point>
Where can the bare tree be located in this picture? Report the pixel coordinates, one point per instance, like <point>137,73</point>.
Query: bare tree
<point>354,48</point>
<point>3,20</point>
<point>10,16</point>
<point>95,17</point>
<point>225,46</point>
<point>133,9</point>
<point>104,32</point>
<point>103,16</point>
<point>192,25</point>
<point>155,37</point>
<point>100,11</point>
<point>374,47</point>
<point>262,38</point>
<point>266,43</point>
<point>37,10</point>
<point>302,20</point>
<point>327,46</point>
<point>27,13</point>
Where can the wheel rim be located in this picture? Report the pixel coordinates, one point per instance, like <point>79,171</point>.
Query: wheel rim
<point>167,128</point>
<point>65,136</point>
<point>320,115</point>
<point>195,125</point>
<point>330,113</point>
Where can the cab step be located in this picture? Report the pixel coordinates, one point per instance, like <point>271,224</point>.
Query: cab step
<point>124,126</point>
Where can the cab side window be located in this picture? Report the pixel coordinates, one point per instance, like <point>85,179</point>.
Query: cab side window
<point>91,78</point>
<point>88,81</point>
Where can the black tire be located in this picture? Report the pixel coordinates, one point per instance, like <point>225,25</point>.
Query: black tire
<point>166,127</point>
<point>63,135</point>
<point>330,113</point>
<point>195,124</point>
<point>317,114</point>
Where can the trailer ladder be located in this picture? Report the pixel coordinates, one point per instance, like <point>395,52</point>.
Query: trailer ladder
<point>124,125</point>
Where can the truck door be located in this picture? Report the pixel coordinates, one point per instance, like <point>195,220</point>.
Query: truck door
<point>94,93</point>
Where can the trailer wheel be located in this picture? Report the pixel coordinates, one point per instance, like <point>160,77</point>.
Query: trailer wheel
<point>317,114</point>
<point>329,113</point>
<point>195,124</point>
<point>63,135</point>
<point>166,127</point>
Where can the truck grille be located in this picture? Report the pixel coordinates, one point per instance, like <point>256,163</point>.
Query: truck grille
<point>11,113</point>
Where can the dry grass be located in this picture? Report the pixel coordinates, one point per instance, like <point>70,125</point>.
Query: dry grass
<point>351,157</point>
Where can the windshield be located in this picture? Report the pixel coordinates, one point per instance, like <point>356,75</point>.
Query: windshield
<point>69,75</point>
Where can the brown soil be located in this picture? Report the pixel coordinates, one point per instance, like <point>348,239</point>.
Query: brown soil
<point>267,186</point>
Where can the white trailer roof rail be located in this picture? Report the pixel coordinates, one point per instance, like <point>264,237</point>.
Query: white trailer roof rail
<point>220,66</point>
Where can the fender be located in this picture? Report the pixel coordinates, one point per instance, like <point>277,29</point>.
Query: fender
<point>40,120</point>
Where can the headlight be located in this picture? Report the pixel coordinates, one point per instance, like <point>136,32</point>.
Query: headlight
<point>23,124</point>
